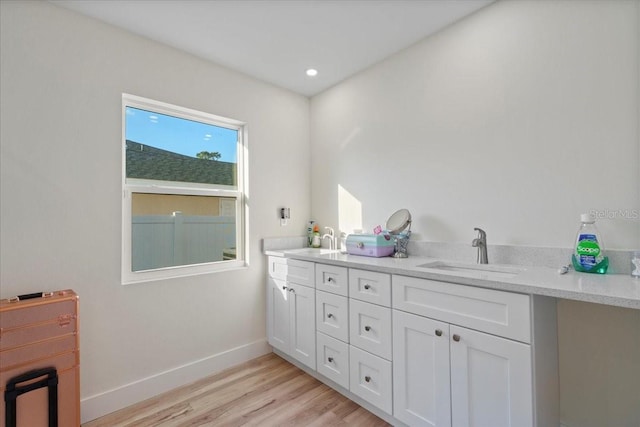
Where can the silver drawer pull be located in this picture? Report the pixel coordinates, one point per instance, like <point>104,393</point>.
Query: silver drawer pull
<point>367,287</point>
<point>330,316</point>
<point>438,332</point>
<point>330,279</point>
<point>284,288</point>
<point>367,328</point>
<point>292,290</point>
<point>367,379</point>
<point>330,359</point>
<point>456,337</point>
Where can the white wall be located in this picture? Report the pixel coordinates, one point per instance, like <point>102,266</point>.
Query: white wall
<point>62,79</point>
<point>516,119</point>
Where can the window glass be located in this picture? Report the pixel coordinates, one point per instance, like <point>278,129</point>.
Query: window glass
<point>184,202</point>
<point>167,148</point>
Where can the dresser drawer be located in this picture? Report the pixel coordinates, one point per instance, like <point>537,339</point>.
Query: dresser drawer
<point>332,279</point>
<point>38,350</point>
<point>333,359</point>
<point>370,286</point>
<point>500,313</point>
<point>332,315</point>
<point>278,267</point>
<point>65,324</point>
<point>300,272</point>
<point>370,328</point>
<point>370,378</point>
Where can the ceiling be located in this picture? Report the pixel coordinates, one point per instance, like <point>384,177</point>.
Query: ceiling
<point>277,40</point>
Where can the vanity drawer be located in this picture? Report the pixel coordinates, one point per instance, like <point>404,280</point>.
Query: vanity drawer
<point>278,267</point>
<point>370,378</point>
<point>332,279</point>
<point>333,359</point>
<point>500,313</point>
<point>300,272</point>
<point>370,328</point>
<point>332,315</point>
<point>370,286</point>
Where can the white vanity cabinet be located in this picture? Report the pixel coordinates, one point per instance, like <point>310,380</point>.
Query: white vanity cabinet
<point>291,309</point>
<point>416,351</point>
<point>450,367</point>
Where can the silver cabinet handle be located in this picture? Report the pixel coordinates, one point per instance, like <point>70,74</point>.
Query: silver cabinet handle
<point>330,316</point>
<point>367,287</point>
<point>367,328</point>
<point>367,379</point>
<point>284,288</point>
<point>330,279</point>
<point>330,359</point>
<point>292,290</point>
<point>456,337</point>
<point>438,332</point>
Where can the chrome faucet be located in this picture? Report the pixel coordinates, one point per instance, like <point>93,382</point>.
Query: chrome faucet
<point>331,235</point>
<point>480,242</point>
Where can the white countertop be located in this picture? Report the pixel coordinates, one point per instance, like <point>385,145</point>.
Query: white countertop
<point>610,289</point>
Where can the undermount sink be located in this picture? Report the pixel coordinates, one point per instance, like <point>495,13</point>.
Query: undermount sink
<point>481,270</point>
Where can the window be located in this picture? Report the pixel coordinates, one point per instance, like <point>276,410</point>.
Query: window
<point>184,191</point>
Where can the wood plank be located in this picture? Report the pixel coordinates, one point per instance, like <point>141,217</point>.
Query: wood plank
<point>266,391</point>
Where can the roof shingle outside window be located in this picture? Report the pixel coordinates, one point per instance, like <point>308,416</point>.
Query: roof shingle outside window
<point>147,162</point>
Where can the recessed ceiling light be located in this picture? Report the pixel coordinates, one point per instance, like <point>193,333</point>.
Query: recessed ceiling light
<point>312,72</point>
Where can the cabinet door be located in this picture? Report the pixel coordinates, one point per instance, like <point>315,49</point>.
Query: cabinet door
<point>490,380</point>
<point>421,393</point>
<point>370,378</point>
<point>332,315</point>
<point>370,286</point>
<point>333,359</point>
<point>277,267</point>
<point>370,327</point>
<point>278,314</point>
<point>302,309</point>
<point>332,279</point>
<point>301,272</point>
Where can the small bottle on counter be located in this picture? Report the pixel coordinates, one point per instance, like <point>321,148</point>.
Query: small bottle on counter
<point>315,239</point>
<point>310,225</point>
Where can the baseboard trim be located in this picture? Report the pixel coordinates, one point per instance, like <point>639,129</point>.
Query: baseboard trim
<point>104,403</point>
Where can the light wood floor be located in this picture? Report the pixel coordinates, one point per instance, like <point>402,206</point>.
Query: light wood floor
<point>267,391</point>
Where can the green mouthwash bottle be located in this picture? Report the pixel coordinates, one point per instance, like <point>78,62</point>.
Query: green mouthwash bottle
<point>589,256</point>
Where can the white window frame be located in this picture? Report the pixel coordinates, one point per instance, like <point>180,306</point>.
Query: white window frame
<point>131,185</point>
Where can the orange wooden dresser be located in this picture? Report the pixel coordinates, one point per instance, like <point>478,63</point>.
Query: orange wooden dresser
<point>40,360</point>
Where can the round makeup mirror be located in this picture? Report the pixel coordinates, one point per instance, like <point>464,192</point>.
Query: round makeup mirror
<point>399,221</point>
<point>396,226</point>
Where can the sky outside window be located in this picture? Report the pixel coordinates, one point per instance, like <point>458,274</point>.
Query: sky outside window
<point>180,136</point>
